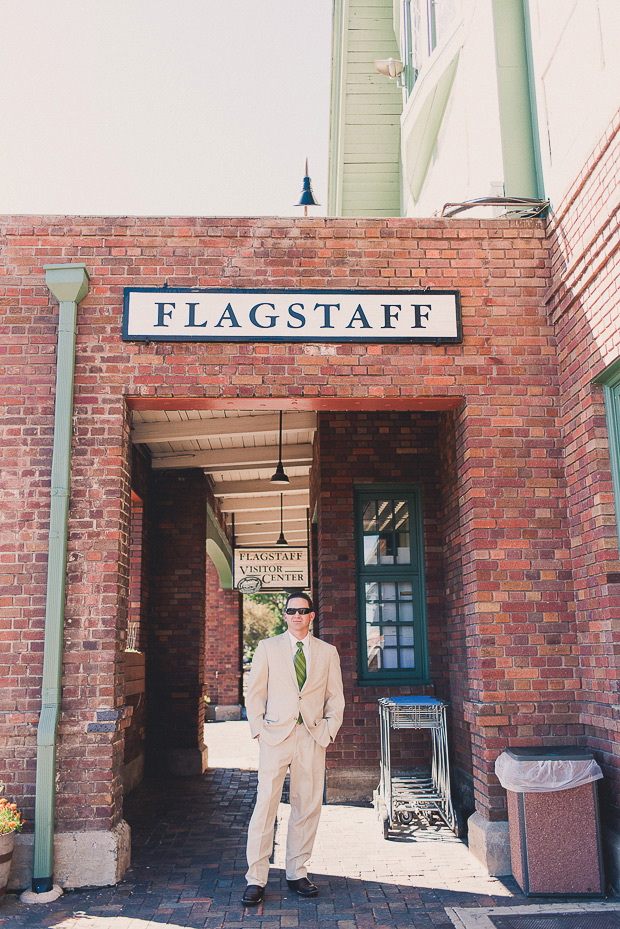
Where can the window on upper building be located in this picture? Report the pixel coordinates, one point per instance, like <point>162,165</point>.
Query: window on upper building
<point>610,381</point>
<point>424,25</point>
<point>391,604</point>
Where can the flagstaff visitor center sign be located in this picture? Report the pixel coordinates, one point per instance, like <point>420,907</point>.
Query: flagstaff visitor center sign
<point>270,568</point>
<point>172,315</point>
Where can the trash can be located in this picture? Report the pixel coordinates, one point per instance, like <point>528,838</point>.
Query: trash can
<point>555,843</point>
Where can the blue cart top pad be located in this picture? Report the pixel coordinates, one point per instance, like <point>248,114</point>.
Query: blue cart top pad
<point>415,701</point>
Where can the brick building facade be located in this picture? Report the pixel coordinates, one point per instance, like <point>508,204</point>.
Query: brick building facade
<point>504,434</point>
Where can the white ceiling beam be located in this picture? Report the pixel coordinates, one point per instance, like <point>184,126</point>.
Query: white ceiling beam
<point>223,427</point>
<point>294,537</point>
<point>259,517</point>
<point>259,473</point>
<point>260,488</point>
<point>296,525</point>
<point>250,505</point>
<point>235,459</point>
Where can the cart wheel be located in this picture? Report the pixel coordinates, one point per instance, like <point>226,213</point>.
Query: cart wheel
<point>406,817</point>
<point>460,826</point>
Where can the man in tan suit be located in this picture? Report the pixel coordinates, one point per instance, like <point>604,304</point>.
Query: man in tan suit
<point>295,705</point>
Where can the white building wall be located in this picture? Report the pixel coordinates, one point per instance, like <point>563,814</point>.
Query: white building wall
<point>450,143</point>
<point>467,158</point>
<point>576,52</point>
<point>576,60</point>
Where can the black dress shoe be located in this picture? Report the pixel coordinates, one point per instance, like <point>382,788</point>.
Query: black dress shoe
<point>253,894</point>
<point>304,887</point>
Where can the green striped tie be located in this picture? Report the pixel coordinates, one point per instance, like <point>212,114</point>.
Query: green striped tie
<point>300,669</point>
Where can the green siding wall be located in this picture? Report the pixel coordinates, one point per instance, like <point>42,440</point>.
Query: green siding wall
<point>366,107</point>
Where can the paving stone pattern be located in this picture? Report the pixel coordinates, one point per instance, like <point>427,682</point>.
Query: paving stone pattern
<point>563,921</point>
<point>189,864</point>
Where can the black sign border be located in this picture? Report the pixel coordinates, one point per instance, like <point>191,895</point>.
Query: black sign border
<point>273,548</point>
<point>428,292</point>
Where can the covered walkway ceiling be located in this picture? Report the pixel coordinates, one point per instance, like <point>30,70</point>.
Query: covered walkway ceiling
<point>239,450</point>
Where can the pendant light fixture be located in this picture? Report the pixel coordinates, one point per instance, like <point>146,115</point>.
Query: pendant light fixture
<point>279,477</point>
<point>281,540</point>
<point>307,195</point>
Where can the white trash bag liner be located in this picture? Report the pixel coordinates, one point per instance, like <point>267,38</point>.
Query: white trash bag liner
<point>525,776</point>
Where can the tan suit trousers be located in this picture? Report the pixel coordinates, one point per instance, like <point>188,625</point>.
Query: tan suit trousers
<point>306,759</point>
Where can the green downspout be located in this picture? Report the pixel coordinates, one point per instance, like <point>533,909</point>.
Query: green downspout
<point>517,107</point>
<point>340,38</point>
<point>69,284</point>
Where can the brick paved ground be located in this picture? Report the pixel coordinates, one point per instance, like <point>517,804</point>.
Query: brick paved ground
<point>189,863</point>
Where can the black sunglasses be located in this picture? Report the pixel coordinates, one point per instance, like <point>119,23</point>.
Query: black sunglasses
<point>302,610</point>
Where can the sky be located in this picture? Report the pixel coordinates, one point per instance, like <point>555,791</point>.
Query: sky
<point>163,107</point>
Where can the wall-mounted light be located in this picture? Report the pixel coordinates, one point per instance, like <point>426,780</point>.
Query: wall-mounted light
<point>390,67</point>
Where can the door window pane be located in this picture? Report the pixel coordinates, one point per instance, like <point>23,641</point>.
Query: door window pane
<point>401,528</point>
<point>386,548</point>
<point>407,658</point>
<point>388,591</point>
<point>372,612</point>
<point>371,548</point>
<point>390,658</point>
<point>386,521</point>
<point>390,643</point>
<point>389,612</point>
<point>389,567</point>
<point>370,516</point>
<point>374,645</point>
<point>403,552</point>
<point>385,525</point>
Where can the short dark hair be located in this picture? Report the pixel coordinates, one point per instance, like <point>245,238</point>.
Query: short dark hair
<point>300,595</point>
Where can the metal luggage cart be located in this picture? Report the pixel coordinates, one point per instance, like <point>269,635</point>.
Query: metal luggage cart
<point>400,798</point>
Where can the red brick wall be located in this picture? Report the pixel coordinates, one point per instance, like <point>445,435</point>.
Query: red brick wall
<point>140,569</point>
<point>135,697</point>
<point>517,599</point>
<point>375,448</point>
<point>135,733</point>
<point>134,594</point>
<point>514,558</point>
<point>584,306</point>
<point>223,642</point>
<point>176,636</point>
<point>455,625</point>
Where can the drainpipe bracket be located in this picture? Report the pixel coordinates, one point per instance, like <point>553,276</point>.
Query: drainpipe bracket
<point>67,282</point>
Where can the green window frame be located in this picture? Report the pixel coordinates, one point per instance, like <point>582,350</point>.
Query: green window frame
<point>424,25</point>
<point>390,587</point>
<point>610,382</point>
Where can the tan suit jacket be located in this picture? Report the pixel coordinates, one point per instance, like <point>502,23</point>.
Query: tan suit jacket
<point>274,701</point>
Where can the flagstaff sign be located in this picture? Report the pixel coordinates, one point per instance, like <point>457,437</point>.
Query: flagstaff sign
<point>270,568</point>
<point>171,315</point>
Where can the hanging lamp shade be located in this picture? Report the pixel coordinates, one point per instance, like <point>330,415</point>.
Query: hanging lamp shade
<point>307,195</point>
<point>281,539</point>
<point>279,475</point>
